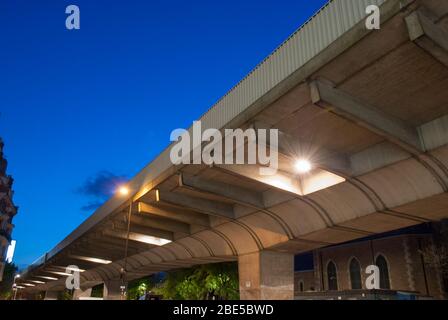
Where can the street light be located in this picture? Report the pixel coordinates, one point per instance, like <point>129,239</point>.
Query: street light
<point>302,166</point>
<point>124,191</point>
<point>14,286</point>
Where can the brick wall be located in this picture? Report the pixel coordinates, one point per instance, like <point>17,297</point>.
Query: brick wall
<point>407,270</point>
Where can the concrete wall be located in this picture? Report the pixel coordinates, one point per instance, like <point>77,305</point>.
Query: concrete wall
<point>266,275</point>
<point>308,280</point>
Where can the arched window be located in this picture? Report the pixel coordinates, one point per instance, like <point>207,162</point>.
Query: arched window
<point>384,272</point>
<point>332,276</point>
<point>355,274</point>
<point>301,289</point>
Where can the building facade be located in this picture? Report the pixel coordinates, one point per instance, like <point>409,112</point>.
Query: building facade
<point>339,272</point>
<point>7,209</point>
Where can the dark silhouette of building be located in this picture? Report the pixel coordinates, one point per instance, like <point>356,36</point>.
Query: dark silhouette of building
<point>7,209</point>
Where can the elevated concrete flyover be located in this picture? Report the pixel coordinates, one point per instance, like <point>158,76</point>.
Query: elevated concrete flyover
<point>368,108</point>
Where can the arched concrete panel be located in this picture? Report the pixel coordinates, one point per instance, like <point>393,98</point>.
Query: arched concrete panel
<point>166,254</point>
<point>173,251</point>
<point>198,248</point>
<point>153,257</point>
<point>88,276</point>
<point>142,260</point>
<point>433,208</point>
<point>440,155</point>
<point>97,274</point>
<point>267,229</point>
<point>101,273</point>
<point>343,202</point>
<point>300,217</point>
<point>113,268</point>
<point>181,250</point>
<point>402,183</point>
<point>240,237</point>
<point>218,244</point>
<point>131,262</point>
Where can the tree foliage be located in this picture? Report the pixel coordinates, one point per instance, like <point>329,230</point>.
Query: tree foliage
<point>65,295</point>
<point>97,291</point>
<point>213,281</point>
<point>8,279</point>
<point>138,288</point>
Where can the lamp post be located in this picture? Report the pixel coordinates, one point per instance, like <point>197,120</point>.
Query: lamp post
<point>14,286</point>
<point>125,191</point>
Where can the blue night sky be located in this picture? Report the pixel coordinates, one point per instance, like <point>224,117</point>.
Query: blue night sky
<point>82,110</point>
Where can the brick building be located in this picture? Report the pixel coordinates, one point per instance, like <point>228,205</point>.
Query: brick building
<point>7,209</point>
<point>340,271</point>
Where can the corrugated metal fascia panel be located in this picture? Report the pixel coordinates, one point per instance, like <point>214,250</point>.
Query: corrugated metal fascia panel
<point>332,21</point>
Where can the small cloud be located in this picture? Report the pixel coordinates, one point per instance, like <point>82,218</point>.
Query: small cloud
<point>99,188</point>
<point>92,206</point>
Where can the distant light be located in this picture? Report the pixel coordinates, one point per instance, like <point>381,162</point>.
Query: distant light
<point>28,284</point>
<point>69,268</point>
<point>17,276</point>
<point>10,252</point>
<point>91,259</point>
<point>75,269</point>
<point>123,190</point>
<point>59,273</point>
<point>302,166</point>
<point>47,278</point>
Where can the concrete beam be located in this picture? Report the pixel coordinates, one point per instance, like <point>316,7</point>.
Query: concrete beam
<point>113,240</point>
<point>429,36</point>
<point>185,216</point>
<point>281,180</point>
<point>294,148</point>
<point>137,229</point>
<point>97,251</point>
<point>81,256</point>
<point>63,262</point>
<point>222,190</point>
<point>103,242</point>
<point>134,237</point>
<point>213,208</point>
<point>160,223</point>
<point>369,117</point>
<point>103,250</point>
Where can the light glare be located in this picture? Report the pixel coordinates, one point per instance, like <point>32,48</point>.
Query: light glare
<point>91,259</point>
<point>124,191</point>
<point>302,166</point>
<point>47,278</point>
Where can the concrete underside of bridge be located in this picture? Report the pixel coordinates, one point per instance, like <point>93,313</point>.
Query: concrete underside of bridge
<point>371,113</point>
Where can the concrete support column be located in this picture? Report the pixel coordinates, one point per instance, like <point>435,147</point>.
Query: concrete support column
<point>112,290</point>
<point>266,275</point>
<point>51,295</point>
<point>80,293</point>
